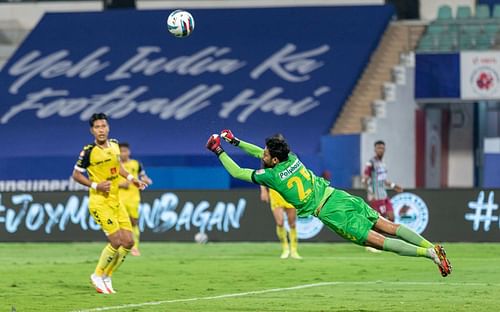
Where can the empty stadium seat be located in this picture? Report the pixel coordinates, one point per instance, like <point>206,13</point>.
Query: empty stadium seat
<point>484,42</point>
<point>436,28</point>
<point>465,32</point>
<point>496,11</point>
<point>444,12</point>
<point>491,28</point>
<point>471,29</point>
<point>464,12</point>
<point>482,11</point>
<point>466,42</point>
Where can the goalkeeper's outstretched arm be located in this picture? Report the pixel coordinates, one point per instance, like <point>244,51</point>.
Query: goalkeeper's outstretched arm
<point>234,170</point>
<point>249,148</point>
<point>252,150</point>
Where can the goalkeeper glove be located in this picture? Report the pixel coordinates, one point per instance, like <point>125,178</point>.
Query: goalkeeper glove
<point>213,144</point>
<point>229,137</point>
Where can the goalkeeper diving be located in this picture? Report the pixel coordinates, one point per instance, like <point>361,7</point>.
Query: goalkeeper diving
<point>347,215</point>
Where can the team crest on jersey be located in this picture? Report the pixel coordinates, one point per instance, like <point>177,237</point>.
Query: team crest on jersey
<point>260,171</point>
<point>113,170</point>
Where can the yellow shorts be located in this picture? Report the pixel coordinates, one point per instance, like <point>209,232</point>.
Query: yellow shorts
<point>132,208</point>
<point>278,201</point>
<point>110,217</point>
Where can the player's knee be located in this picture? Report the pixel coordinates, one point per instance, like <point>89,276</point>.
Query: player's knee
<point>127,243</point>
<point>115,243</point>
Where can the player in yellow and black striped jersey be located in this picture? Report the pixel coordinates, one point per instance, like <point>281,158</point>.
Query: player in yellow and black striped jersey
<point>280,207</point>
<point>130,196</point>
<point>101,161</point>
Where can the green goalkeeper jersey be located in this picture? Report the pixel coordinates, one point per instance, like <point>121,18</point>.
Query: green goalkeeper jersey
<point>298,185</point>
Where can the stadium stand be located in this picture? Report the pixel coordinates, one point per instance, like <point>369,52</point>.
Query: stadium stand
<point>398,38</point>
<point>465,31</point>
<point>11,34</point>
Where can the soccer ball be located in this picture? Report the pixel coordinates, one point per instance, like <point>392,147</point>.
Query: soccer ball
<point>180,23</point>
<point>201,238</point>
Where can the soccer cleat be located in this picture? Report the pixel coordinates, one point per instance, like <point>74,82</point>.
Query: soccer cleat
<point>135,252</point>
<point>285,254</point>
<point>99,284</point>
<point>295,255</point>
<point>445,266</point>
<point>108,284</point>
<point>438,255</point>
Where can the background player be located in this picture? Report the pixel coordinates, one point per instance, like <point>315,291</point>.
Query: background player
<point>279,207</point>
<point>101,160</point>
<point>347,215</point>
<point>375,179</point>
<point>130,196</point>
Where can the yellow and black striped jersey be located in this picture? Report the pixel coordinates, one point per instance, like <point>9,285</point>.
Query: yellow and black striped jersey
<point>132,193</point>
<point>101,164</point>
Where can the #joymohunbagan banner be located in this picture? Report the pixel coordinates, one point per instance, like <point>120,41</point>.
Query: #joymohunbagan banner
<point>469,215</point>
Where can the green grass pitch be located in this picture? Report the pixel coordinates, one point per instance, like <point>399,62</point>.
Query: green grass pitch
<point>248,277</point>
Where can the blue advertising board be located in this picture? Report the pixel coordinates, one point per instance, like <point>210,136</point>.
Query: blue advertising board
<point>255,71</point>
<point>437,76</point>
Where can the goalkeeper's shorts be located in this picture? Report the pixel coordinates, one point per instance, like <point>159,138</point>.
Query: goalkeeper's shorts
<point>349,216</point>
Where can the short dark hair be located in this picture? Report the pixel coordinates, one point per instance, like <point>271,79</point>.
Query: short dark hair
<point>97,116</point>
<point>124,144</point>
<point>379,142</point>
<point>278,147</point>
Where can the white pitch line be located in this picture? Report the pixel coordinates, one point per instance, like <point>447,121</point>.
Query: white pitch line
<point>264,291</point>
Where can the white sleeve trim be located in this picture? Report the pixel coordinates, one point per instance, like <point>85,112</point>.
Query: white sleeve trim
<point>82,170</point>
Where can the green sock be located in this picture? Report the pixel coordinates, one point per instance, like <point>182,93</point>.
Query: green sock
<point>402,248</point>
<point>410,236</point>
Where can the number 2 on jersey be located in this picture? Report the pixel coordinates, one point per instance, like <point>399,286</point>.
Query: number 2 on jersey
<point>300,186</point>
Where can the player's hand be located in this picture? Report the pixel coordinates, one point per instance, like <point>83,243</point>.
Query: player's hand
<point>398,188</point>
<point>213,144</point>
<point>146,180</point>
<point>139,184</point>
<point>229,137</point>
<point>104,186</point>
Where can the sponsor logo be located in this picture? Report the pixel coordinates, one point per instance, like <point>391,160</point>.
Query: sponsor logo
<point>40,185</point>
<point>410,210</point>
<point>290,170</point>
<point>484,81</point>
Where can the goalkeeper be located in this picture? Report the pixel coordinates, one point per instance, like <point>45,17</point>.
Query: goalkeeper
<point>347,215</point>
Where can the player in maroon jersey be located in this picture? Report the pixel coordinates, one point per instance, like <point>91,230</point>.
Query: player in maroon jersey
<point>375,178</point>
